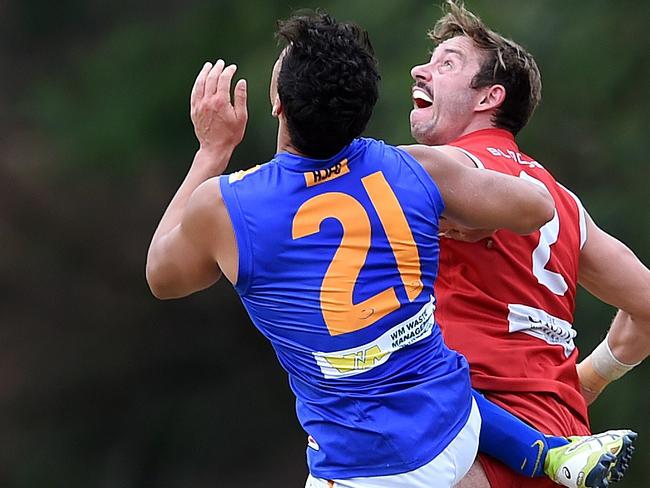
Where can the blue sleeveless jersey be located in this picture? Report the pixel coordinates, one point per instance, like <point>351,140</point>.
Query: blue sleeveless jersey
<point>337,261</point>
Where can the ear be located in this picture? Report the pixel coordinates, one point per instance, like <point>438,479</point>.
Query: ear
<point>276,108</point>
<point>492,98</point>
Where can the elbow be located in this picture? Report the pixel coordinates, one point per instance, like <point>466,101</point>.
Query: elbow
<point>159,292</point>
<point>640,311</point>
<point>547,211</point>
<point>542,210</point>
<point>157,284</point>
<point>159,274</point>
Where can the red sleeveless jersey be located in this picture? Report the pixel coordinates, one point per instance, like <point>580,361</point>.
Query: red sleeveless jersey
<point>507,302</point>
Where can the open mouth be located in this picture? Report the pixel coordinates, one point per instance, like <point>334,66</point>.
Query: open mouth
<point>421,99</point>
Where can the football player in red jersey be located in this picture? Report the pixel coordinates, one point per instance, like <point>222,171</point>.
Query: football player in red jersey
<point>507,301</point>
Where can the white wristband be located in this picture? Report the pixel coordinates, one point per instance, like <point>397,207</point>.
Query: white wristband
<point>606,364</point>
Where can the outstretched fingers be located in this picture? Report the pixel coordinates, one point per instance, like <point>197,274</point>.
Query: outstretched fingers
<point>199,84</point>
<point>223,88</point>
<point>241,95</point>
<point>212,79</point>
<point>218,119</point>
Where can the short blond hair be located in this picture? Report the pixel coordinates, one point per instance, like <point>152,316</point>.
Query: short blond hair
<point>504,63</point>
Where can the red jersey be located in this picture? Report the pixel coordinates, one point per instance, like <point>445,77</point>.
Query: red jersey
<point>507,302</point>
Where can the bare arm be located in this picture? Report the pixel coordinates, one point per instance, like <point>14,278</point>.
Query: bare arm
<point>183,253</point>
<point>610,271</point>
<point>188,257</point>
<point>484,199</point>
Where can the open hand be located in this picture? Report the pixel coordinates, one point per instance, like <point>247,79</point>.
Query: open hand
<point>219,124</point>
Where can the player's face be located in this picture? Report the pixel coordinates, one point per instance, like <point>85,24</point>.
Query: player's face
<point>442,97</point>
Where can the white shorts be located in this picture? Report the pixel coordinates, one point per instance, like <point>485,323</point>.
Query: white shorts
<point>444,471</point>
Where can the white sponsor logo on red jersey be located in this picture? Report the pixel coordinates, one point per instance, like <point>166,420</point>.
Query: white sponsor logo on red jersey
<point>543,325</point>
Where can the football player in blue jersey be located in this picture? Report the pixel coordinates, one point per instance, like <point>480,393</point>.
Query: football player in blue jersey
<point>332,246</point>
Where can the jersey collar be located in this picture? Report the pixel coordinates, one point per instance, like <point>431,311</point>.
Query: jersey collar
<point>302,163</point>
<point>492,132</point>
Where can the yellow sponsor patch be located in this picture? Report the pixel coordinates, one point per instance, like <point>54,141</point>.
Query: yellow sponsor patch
<point>238,175</point>
<point>364,357</point>
<point>322,175</point>
<point>360,360</point>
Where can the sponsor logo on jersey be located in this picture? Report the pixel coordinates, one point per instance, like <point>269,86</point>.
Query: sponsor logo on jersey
<point>239,175</point>
<point>543,325</point>
<point>353,361</point>
<point>515,156</point>
<point>322,175</point>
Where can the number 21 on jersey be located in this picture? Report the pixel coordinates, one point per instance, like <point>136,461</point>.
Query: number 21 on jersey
<point>341,315</point>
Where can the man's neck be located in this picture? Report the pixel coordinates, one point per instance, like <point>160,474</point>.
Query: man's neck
<point>479,123</point>
<point>287,147</point>
<point>284,141</point>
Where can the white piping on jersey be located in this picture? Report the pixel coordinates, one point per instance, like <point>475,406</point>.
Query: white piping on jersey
<point>581,213</point>
<point>476,160</point>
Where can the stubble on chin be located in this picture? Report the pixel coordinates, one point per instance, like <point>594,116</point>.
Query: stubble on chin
<point>423,133</point>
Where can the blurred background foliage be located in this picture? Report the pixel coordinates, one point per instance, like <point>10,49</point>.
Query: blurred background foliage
<point>103,386</point>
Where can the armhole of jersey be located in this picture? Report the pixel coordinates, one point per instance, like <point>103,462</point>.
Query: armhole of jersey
<point>581,215</point>
<point>475,160</point>
<point>244,249</point>
<point>428,183</point>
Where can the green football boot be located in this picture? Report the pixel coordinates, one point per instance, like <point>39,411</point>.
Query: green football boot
<point>592,461</point>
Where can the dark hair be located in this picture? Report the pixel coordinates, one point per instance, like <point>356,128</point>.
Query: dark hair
<point>327,82</point>
<point>504,63</point>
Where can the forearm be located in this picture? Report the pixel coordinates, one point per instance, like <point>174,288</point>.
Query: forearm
<point>629,338</point>
<point>479,199</point>
<point>610,271</point>
<point>161,267</point>
<point>626,345</point>
<point>206,164</point>
<point>179,260</point>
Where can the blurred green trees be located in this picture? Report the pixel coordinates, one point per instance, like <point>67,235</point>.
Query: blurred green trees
<point>101,385</point>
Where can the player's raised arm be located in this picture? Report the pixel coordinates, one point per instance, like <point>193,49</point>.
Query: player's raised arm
<point>183,253</point>
<point>484,199</point>
<point>610,271</point>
